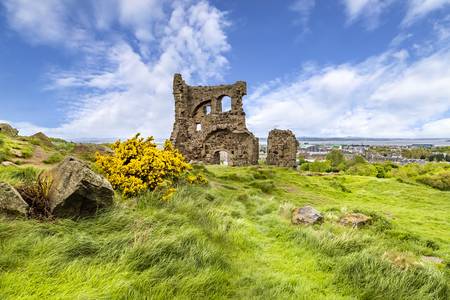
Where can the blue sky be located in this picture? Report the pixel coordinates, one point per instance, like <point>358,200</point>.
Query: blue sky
<point>87,69</point>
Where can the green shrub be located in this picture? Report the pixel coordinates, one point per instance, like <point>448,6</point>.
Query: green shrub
<point>362,170</point>
<point>317,166</point>
<point>439,181</point>
<point>336,159</point>
<point>36,194</point>
<point>384,169</point>
<point>435,175</point>
<point>138,165</point>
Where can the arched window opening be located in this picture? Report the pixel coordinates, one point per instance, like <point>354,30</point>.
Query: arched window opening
<point>226,104</point>
<point>223,158</point>
<point>207,109</point>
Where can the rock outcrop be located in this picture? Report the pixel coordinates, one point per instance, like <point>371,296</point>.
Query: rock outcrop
<point>355,220</point>
<point>43,139</point>
<point>282,148</point>
<point>11,203</point>
<point>76,190</point>
<point>306,215</point>
<point>8,129</point>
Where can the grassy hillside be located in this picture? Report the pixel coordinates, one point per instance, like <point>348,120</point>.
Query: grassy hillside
<point>234,239</point>
<point>42,151</point>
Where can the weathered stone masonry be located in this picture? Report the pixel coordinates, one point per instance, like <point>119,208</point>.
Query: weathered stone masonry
<point>202,129</point>
<point>282,148</point>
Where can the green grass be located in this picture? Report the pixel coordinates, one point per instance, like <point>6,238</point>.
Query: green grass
<point>8,143</point>
<point>234,240</point>
<point>16,175</point>
<point>54,158</point>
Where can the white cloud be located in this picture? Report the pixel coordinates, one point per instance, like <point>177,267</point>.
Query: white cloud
<point>304,9</point>
<point>436,128</point>
<point>120,90</point>
<point>419,8</point>
<point>370,11</point>
<point>367,10</point>
<point>384,96</point>
<point>39,21</point>
<point>124,85</point>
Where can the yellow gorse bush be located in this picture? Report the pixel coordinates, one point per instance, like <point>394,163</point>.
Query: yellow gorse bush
<point>137,165</point>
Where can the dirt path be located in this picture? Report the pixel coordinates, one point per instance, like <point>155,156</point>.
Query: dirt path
<point>39,155</point>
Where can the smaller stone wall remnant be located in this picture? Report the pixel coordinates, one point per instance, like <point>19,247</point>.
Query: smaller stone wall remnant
<point>282,148</point>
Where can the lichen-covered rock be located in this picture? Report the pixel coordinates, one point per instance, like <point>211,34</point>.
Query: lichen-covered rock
<point>11,203</point>
<point>8,129</point>
<point>7,163</point>
<point>282,148</point>
<point>306,215</point>
<point>76,190</point>
<point>355,220</point>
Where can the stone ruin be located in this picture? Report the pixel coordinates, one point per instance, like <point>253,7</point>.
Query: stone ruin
<point>206,130</point>
<point>282,148</point>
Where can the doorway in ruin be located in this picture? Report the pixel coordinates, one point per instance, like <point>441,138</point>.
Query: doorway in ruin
<point>222,157</point>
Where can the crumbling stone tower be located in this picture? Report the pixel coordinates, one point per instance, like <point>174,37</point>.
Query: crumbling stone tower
<point>282,148</point>
<point>206,130</point>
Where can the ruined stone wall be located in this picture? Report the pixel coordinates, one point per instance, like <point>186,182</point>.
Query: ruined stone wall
<point>202,129</point>
<point>282,148</point>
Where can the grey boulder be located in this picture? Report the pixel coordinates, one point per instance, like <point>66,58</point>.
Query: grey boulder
<point>76,191</point>
<point>306,215</point>
<point>11,203</point>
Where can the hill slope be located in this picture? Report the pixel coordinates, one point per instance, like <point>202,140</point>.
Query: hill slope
<point>234,239</point>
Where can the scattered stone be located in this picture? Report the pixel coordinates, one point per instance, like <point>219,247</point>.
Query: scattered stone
<point>282,148</point>
<point>41,137</point>
<point>8,163</point>
<point>76,190</point>
<point>432,259</point>
<point>355,220</point>
<point>204,131</point>
<point>11,203</point>
<point>8,129</point>
<point>306,215</point>
<point>16,153</point>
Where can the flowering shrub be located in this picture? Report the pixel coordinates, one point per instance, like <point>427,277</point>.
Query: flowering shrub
<point>138,165</point>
